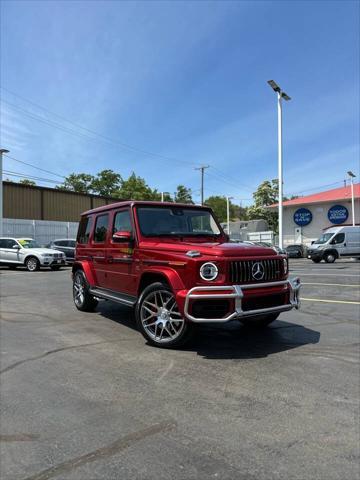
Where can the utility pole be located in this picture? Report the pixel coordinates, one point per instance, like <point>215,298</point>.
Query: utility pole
<point>202,169</point>
<point>2,151</point>
<point>352,176</point>
<point>280,95</point>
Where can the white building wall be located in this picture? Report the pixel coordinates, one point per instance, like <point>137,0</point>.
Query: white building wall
<point>319,221</point>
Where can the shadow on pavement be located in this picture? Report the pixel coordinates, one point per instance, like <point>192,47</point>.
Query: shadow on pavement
<point>230,340</point>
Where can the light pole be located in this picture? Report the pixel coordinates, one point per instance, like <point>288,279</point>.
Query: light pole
<point>2,151</point>
<point>280,95</point>
<point>351,175</point>
<point>228,213</point>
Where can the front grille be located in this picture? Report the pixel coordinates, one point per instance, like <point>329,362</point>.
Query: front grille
<point>241,271</point>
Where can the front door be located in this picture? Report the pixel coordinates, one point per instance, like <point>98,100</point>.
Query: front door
<point>8,253</point>
<point>120,256</point>
<point>97,248</point>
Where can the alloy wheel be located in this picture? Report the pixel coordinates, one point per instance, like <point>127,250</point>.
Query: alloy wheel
<point>160,317</point>
<point>79,290</point>
<point>32,264</point>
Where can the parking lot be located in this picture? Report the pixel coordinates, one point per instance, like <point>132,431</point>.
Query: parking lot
<point>84,397</point>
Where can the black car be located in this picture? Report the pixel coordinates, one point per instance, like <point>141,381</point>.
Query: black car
<point>296,251</point>
<point>65,245</point>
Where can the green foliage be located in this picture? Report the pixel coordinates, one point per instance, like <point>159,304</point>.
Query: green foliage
<point>135,188</point>
<point>77,182</point>
<point>26,181</point>
<point>266,194</point>
<point>106,183</point>
<point>183,195</point>
<point>218,204</point>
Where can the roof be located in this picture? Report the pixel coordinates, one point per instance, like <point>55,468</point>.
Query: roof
<point>334,195</point>
<point>131,203</point>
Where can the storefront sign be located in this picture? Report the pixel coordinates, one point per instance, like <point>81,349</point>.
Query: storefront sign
<point>302,217</point>
<point>338,214</point>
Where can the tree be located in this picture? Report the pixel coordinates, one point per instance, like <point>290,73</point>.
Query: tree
<point>77,182</point>
<point>106,183</point>
<point>26,181</point>
<point>266,194</point>
<point>218,204</point>
<point>183,194</point>
<point>135,188</point>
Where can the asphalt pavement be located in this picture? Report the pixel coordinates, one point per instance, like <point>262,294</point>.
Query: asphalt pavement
<point>84,397</point>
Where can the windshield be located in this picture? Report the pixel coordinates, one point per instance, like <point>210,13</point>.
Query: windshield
<point>176,221</point>
<point>26,243</point>
<point>324,238</point>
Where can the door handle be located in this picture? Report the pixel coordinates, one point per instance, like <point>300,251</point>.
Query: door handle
<point>110,259</point>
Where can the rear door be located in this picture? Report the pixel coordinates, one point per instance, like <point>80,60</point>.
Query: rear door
<point>97,250</point>
<point>352,243</point>
<point>120,256</point>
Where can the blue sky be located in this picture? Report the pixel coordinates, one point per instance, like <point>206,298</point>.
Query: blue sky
<point>187,81</point>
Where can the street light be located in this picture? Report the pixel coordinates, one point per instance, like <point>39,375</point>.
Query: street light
<point>352,175</point>
<point>228,213</point>
<point>2,151</point>
<point>280,95</point>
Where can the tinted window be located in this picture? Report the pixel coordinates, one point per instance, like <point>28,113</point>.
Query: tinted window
<point>122,222</point>
<point>339,238</point>
<point>101,227</point>
<point>72,243</point>
<point>6,243</point>
<point>84,230</point>
<point>61,243</point>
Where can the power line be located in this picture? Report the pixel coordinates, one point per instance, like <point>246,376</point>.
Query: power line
<point>34,166</point>
<point>30,177</point>
<point>93,132</point>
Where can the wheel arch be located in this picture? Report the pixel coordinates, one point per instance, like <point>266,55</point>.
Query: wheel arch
<point>331,251</point>
<point>86,268</point>
<point>168,276</point>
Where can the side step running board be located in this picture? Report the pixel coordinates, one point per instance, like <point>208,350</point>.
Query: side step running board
<point>122,298</point>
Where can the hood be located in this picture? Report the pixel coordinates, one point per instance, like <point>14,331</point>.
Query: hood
<point>211,248</point>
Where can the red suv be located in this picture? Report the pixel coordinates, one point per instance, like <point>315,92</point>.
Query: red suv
<point>174,264</point>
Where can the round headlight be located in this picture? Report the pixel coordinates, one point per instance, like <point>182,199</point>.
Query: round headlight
<point>286,267</point>
<point>209,271</point>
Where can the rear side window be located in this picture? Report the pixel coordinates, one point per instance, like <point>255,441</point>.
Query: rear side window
<point>101,227</point>
<point>84,230</point>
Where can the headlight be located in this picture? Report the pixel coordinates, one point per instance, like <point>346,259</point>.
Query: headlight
<point>46,255</point>
<point>209,271</point>
<point>286,266</point>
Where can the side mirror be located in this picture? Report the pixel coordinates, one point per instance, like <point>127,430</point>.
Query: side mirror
<point>16,247</point>
<point>312,242</point>
<point>122,237</point>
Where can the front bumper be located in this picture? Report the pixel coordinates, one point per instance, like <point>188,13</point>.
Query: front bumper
<point>315,254</point>
<point>52,262</point>
<point>236,293</point>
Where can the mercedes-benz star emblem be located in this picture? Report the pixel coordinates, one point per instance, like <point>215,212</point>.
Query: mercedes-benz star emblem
<point>258,271</point>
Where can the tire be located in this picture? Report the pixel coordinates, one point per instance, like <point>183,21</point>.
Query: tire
<point>84,301</point>
<point>329,257</point>
<point>32,264</point>
<point>55,267</point>
<point>158,317</point>
<point>259,322</point>
<point>316,260</point>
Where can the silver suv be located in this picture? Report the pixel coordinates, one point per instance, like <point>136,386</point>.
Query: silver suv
<point>27,252</point>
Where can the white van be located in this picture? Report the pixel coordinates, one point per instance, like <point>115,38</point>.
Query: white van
<point>334,243</point>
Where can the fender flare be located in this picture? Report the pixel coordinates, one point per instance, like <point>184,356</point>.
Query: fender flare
<point>85,266</point>
<point>169,274</point>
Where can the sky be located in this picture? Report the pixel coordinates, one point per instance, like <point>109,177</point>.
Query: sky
<point>162,87</point>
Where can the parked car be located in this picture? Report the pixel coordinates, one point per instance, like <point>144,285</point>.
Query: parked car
<point>66,246</point>
<point>296,251</point>
<point>174,265</point>
<point>336,242</point>
<point>26,251</point>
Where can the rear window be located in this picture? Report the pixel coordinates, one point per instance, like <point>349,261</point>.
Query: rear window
<point>101,227</point>
<point>84,230</point>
